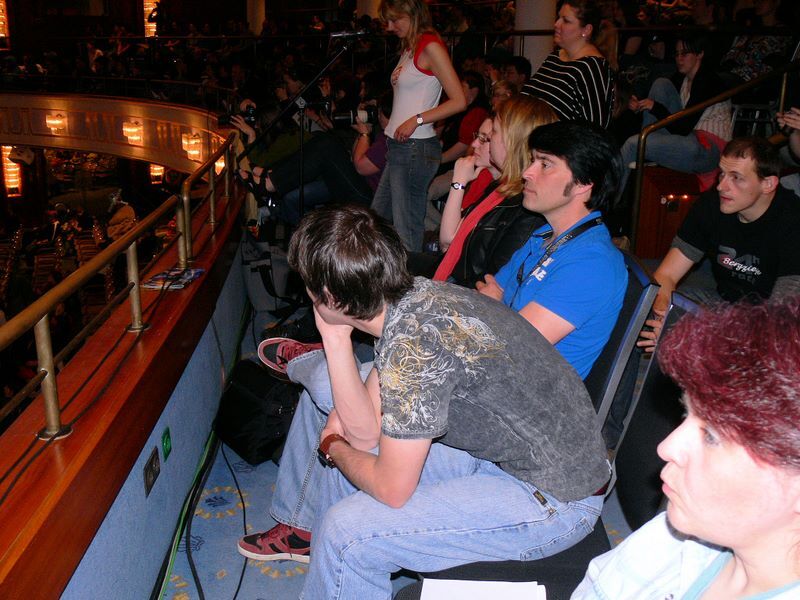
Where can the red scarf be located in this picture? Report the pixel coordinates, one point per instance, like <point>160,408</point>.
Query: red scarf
<point>467,225</point>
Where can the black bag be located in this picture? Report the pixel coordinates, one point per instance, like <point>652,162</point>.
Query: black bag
<point>255,412</point>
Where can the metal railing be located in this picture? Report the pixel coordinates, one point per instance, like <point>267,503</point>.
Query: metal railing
<point>37,315</point>
<point>782,72</point>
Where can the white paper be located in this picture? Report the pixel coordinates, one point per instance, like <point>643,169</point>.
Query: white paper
<point>452,589</point>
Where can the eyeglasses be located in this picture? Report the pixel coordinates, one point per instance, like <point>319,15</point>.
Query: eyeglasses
<point>481,137</point>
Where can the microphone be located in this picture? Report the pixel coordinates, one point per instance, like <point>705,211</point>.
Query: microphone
<point>348,35</point>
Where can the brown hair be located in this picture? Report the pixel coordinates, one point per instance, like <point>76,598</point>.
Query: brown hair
<point>418,13</point>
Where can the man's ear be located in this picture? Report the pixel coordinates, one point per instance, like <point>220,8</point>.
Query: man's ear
<point>769,184</point>
<point>584,190</point>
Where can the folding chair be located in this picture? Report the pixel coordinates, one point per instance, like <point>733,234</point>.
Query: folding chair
<point>655,411</point>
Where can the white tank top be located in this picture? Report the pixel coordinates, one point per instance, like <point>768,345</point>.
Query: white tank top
<point>415,90</point>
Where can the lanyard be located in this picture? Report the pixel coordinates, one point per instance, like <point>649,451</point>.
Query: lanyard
<point>550,250</point>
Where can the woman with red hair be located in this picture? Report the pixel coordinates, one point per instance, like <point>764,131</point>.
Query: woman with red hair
<point>732,478</point>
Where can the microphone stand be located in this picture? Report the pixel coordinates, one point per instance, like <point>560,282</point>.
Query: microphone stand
<point>300,103</point>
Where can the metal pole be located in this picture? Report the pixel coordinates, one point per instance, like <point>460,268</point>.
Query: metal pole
<point>212,197</point>
<point>180,226</point>
<point>134,295</point>
<point>227,171</point>
<point>44,354</point>
<point>637,194</point>
<point>187,222</point>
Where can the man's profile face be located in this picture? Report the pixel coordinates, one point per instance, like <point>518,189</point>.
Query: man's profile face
<point>739,185</point>
<point>548,183</point>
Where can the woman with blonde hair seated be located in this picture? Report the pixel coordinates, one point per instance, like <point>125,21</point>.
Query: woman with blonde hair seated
<point>483,239</point>
<point>732,478</point>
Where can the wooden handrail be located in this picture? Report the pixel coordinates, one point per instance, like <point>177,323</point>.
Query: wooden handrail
<point>36,316</point>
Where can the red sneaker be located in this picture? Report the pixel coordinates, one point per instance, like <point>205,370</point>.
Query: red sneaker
<point>276,353</point>
<point>282,542</point>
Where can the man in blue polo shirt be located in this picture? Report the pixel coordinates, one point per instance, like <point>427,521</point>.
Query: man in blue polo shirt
<point>568,280</point>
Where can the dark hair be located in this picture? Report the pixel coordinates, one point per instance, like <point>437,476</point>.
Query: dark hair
<point>737,365</point>
<point>587,11</point>
<point>350,259</point>
<point>590,153</point>
<point>693,42</point>
<point>521,65</point>
<point>475,80</point>
<point>764,154</point>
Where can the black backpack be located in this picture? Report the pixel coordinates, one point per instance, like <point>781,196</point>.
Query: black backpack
<point>255,412</point>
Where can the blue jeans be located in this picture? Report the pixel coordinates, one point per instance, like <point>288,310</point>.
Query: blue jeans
<point>314,194</point>
<point>683,153</point>
<point>464,509</point>
<point>300,474</point>
<point>452,518</point>
<point>402,193</point>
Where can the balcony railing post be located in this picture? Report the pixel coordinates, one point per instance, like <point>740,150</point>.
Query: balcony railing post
<point>180,226</point>
<point>44,354</point>
<point>228,158</point>
<point>187,222</point>
<point>212,196</point>
<point>134,295</point>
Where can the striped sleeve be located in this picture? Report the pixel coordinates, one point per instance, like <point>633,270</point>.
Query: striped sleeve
<point>579,89</point>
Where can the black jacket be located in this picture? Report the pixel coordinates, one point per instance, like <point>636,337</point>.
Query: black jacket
<point>500,233</point>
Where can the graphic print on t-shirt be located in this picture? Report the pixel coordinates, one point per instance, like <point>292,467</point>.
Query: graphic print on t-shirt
<point>744,267</point>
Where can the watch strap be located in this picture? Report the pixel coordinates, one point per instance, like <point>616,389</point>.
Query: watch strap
<point>325,445</point>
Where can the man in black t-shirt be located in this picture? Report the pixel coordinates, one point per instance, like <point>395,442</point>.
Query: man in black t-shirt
<point>749,226</point>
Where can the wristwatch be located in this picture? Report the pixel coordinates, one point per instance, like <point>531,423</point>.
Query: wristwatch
<point>324,448</point>
<point>457,186</point>
<point>420,120</point>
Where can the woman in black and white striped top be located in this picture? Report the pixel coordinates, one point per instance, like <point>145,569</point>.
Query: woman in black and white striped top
<point>576,79</point>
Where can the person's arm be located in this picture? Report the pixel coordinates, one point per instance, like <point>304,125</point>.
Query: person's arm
<point>454,152</point>
<point>669,273</point>
<point>791,118</point>
<point>464,172</point>
<point>392,476</point>
<point>364,166</point>
<point>549,324</point>
<point>240,124</point>
<point>434,57</point>
<point>357,402</point>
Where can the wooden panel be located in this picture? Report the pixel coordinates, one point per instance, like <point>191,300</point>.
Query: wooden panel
<point>666,198</point>
<point>60,501</point>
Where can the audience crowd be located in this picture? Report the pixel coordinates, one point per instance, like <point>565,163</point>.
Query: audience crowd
<point>498,179</point>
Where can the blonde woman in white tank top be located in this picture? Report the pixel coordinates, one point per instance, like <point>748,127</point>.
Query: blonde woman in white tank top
<point>423,71</point>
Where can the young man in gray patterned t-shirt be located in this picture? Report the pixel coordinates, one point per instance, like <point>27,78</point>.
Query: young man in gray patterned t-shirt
<point>471,438</point>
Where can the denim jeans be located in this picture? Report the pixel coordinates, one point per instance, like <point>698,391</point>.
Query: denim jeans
<point>314,194</point>
<point>300,474</point>
<point>465,509</point>
<point>402,193</point>
<point>682,153</point>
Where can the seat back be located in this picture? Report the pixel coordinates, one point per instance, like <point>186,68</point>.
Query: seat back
<point>654,412</point>
<point>618,362</point>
